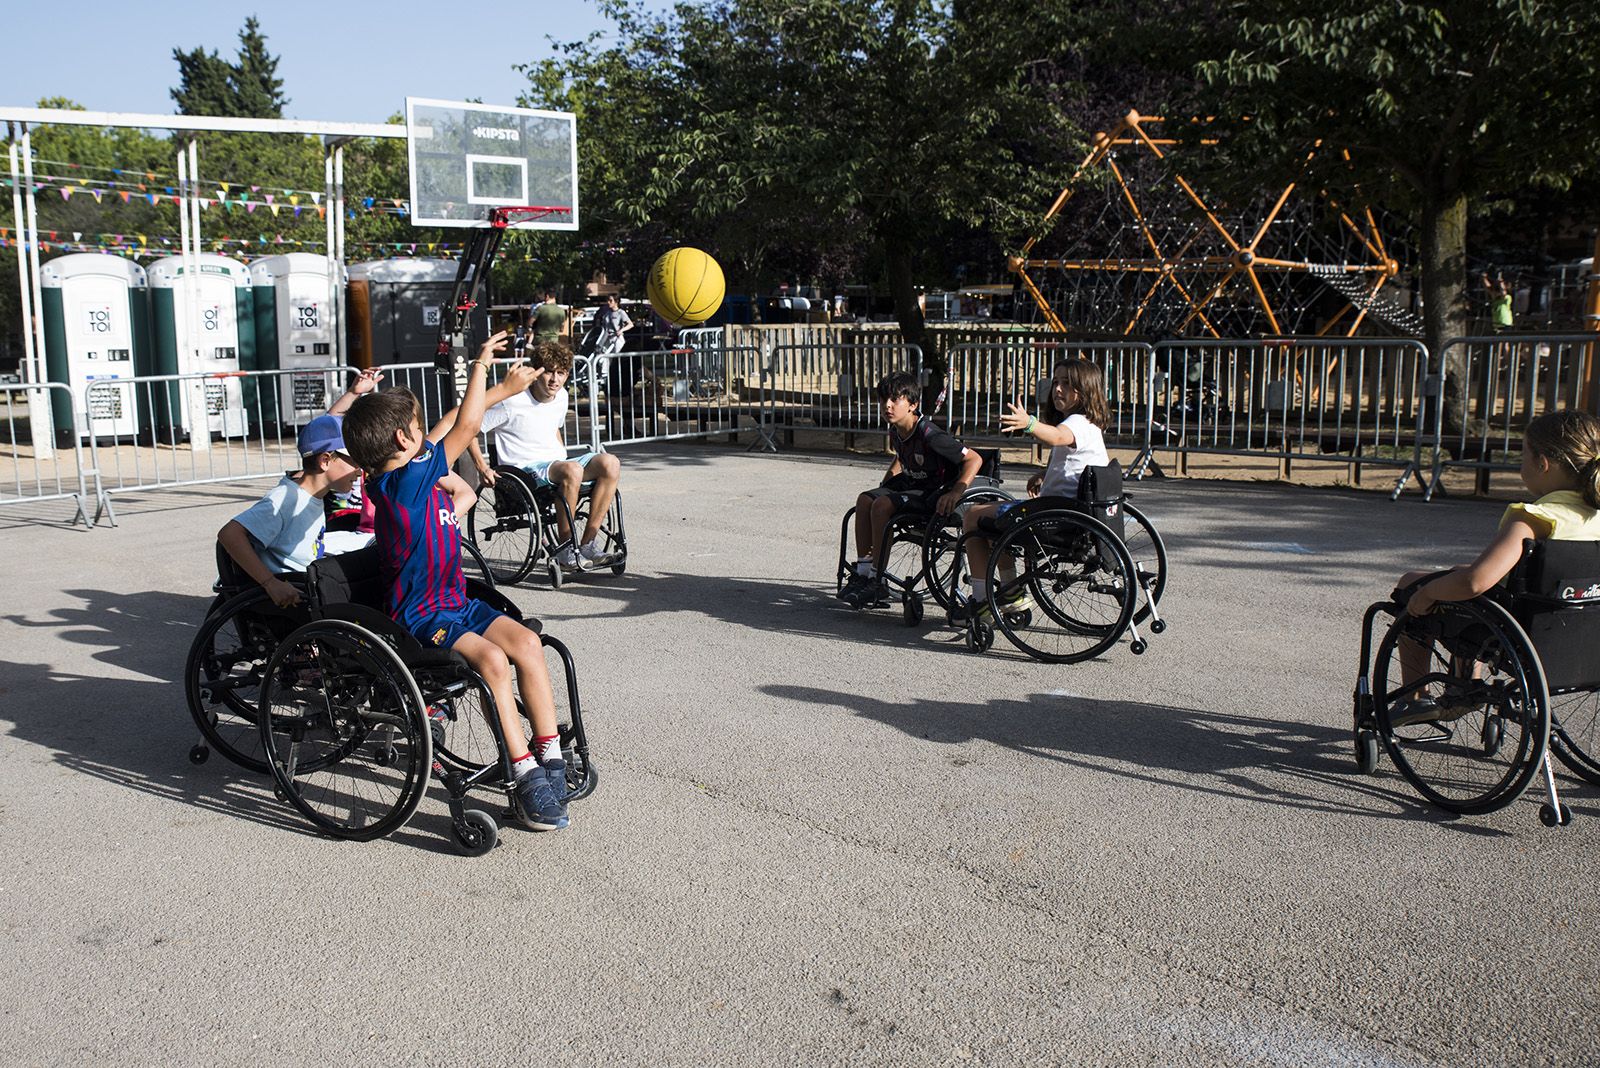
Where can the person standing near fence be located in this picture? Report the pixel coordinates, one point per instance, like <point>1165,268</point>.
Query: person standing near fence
<point>548,319</point>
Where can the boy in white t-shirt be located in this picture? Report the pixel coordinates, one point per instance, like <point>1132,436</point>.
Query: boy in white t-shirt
<point>528,433</point>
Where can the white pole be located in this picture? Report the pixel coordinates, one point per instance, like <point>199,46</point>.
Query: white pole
<point>199,417</point>
<point>40,422</point>
<point>328,228</point>
<point>338,256</point>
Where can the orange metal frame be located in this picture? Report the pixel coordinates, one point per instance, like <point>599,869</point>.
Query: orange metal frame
<point>1243,257</point>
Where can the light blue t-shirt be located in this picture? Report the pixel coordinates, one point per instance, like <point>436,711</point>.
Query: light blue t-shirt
<point>286,525</point>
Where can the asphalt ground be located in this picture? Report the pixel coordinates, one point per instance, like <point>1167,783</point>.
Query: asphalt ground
<point>820,837</point>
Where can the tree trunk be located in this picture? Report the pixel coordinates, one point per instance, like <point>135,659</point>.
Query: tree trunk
<point>898,255</point>
<point>1444,298</point>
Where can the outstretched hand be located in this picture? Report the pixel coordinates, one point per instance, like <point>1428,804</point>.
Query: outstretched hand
<point>366,381</point>
<point>1016,418</point>
<point>497,343</point>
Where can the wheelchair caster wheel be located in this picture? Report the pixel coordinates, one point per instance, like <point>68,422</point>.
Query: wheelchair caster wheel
<point>1020,620</point>
<point>476,833</point>
<point>280,793</point>
<point>1139,645</point>
<point>555,576</point>
<point>619,567</point>
<point>979,637</point>
<point>1158,626</point>
<point>911,608</point>
<point>199,754</point>
<point>1494,733</point>
<point>1366,752</point>
<point>1552,818</point>
<point>384,756</point>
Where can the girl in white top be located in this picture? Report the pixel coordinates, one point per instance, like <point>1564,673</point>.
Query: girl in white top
<point>1073,430</point>
<point>1561,467</point>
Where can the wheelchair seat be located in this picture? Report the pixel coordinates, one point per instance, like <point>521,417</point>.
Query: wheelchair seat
<point>1099,495</point>
<point>1555,595</point>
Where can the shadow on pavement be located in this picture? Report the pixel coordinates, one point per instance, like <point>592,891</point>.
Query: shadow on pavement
<point>1271,761</point>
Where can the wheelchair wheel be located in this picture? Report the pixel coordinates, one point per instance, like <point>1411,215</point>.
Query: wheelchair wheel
<point>1484,676</point>
<point>475,566</point>
<point>223,672</point>
<point>469,743</point>
<point>1149,555</point>
<point>1079,578</point>
<point>343,729</point>
<point>1575,732</point>
<point>902,567</point>
<point>505,527</point>
<point>944,572</point>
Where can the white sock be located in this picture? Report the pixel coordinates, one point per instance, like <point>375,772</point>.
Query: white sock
<point>980,589</point>
<point>866,567</point>
<point>591,548</point>
<point>519,768</point>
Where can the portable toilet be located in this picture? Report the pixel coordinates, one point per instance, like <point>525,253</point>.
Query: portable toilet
<point>396,308</point>
<point>96,311</point>
<point>224,322</point>
<point>294,331</point>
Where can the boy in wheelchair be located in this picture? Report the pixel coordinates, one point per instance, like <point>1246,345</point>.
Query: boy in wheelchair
<point>930,472</point>
<point>528,434</point>
<point>419,550</point>
<point>283,531</point>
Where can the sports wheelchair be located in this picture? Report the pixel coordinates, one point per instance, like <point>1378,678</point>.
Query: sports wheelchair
<point>1514,675</point>
<point>355,715</point>
<point>1087,570</point>
<point>916,545</point>
<point>226,660</point>
<point>515,526</point>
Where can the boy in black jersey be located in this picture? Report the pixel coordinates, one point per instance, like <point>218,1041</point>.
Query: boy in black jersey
<point>930,472</point>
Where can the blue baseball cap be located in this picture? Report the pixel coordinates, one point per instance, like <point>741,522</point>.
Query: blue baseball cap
<point>325,433</point>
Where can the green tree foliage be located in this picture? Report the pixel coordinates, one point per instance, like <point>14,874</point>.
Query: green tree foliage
<point>247,88</point>
<point>750,125</point>
<point>1440,106</point>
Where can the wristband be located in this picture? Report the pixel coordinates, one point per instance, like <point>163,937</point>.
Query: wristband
<point>1033,421</point>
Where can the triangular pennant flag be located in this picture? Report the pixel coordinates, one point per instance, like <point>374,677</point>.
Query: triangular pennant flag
<point>316,198</point>
<point>294,200</point>
<point>125,194</point>
<point>250,206</point>
<point>322,212</point>
<point>225,188</point>
<point>274,207</point>
<point>255,189</point>
<point>77,235</point>
<point>269,198</point>
<point>66,192</point>
<point>97,193</point>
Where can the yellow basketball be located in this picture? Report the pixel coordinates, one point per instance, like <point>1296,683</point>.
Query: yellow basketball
<point>685,286</point>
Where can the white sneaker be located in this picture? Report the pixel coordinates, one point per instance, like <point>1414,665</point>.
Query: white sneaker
<point>567,558</point>
<point>595,554</point>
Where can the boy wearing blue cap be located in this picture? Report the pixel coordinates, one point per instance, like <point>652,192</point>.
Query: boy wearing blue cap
<point>282,532</point>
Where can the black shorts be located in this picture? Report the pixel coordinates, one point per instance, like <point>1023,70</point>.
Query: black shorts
<point>906,496</point>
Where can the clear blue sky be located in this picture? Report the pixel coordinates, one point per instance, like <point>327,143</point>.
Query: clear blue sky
<point>339,61</point>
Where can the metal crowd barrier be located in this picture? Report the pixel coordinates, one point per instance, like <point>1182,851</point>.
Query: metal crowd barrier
<point>984,379</point>
<point>44,457</point>
<point>668,394</point>
<point>1356,402</point>
<point>831,386</point>
<point>1500,383</point>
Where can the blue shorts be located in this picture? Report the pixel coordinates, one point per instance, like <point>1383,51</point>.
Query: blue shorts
<point>540,470</point>
<point>444,629</point>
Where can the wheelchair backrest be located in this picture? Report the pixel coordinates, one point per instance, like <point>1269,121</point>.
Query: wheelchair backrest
<point>1555,595</point>
<point>1100,493</point>
<point>991,466</point>
<point>230,576</point>
<point>347,578</point>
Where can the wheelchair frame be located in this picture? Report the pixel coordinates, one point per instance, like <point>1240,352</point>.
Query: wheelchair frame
<point>1495,680</point>
<point>342,633</point>
<point>1021,538</point>
<point>539,517</point>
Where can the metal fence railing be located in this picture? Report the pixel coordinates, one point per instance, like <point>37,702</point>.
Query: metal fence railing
<point>1356,402</point>
<point>42,457</point>
<point>1498,384</point>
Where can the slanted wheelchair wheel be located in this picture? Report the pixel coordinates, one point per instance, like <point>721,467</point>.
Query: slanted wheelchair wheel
<point>1077,582</point>
<point>223,672</point>
<point>470,743</point>
<point>1149,555</point>
<point>343,729</point>
<point>505,527</point>
<point>1575,732</point>
<point>474,565</point>
<point>943,570</point>
<point>1480,669</point>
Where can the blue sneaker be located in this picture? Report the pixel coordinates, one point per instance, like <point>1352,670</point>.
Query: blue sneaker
<point>538,803</point>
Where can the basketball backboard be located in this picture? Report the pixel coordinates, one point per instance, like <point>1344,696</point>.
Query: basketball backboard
<point>469,158</point>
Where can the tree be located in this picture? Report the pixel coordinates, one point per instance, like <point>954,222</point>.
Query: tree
<point>821,121</point>
<point>1439,107</point>
<point>249,88</point>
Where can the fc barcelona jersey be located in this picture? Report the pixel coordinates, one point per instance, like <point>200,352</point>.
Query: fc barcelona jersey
<point>419,540</point>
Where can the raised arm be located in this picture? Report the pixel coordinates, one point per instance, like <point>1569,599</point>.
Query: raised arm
<point>1017,418</point>
<point>365,382</point>
<point>469,414</point>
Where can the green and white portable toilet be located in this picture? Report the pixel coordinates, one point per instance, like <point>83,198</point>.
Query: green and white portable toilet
<point>224,327</point>
<point>294,330</point>
<point>96,326</point>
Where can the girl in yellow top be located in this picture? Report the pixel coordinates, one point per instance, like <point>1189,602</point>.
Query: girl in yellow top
<point>1561,467</point>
